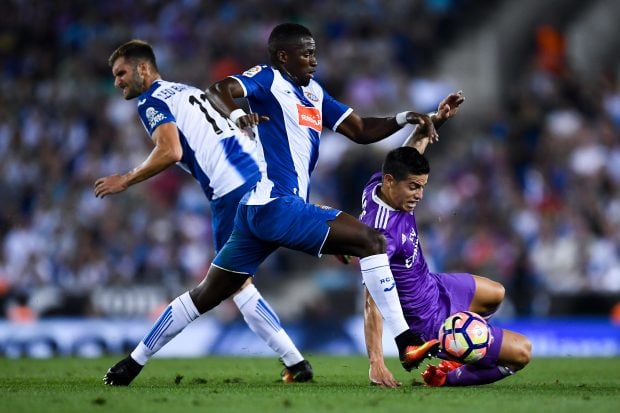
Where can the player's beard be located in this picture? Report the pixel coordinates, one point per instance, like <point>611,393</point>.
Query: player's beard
<point>136,86</point>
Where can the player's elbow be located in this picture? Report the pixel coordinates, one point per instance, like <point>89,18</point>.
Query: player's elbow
<point>175,154</point>
<point>225,88</point>
<point>215,90</point>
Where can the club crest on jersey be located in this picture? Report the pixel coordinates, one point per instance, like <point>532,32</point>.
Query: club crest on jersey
<point>310,117</point>
<point>252,71</point>
<point>153,117</point>
<point>311,96</point>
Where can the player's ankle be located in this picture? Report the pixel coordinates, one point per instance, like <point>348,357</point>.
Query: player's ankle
<point>407,338</point>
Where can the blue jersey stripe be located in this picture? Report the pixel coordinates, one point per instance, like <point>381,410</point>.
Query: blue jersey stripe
<point>189,161</point>
<point>240,160</point>
<point>290,139</point>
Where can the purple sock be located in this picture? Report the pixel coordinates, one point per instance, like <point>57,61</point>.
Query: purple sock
<point>472,374</point>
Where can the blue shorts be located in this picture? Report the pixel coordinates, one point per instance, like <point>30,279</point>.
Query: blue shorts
<point>223,211</point>
<point>284,222</point>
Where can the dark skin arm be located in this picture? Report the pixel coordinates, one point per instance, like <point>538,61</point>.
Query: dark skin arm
<point>222,96</point>
<point>371,130</point>
<point>359,130</point>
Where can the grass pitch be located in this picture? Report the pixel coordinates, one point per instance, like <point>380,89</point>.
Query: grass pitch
<point>217,384</point>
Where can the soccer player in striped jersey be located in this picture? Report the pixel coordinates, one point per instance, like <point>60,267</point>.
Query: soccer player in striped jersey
<point>428,298</point>
<point>276,213</point>
<point>186,130</point>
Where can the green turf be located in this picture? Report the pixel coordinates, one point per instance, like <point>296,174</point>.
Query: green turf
<point>252,385</point>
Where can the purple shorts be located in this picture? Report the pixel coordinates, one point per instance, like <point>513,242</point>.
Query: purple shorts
<point>456,292</point>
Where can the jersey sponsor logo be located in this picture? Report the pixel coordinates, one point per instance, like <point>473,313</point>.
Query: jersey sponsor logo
<point>416,243</point>
<point>325,207</point>
<point>311,96</point>
<point>153,117</point>
<point>310,117</point>
<point>252,71</point>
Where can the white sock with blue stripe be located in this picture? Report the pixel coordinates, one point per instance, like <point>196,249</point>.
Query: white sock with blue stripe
<point>382,288</point>
<point>171,322</point>
<point>263,321</point>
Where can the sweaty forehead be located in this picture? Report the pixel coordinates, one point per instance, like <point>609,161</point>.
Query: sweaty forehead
<point>118,65</point>
<point>302,43</point>
<point>417,179</point>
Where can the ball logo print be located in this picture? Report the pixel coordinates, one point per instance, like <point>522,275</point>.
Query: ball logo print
<point>465,337</point>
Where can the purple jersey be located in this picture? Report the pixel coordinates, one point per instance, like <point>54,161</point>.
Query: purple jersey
<point>426,298</point>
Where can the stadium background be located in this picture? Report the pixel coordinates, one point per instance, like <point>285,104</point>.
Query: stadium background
<point>525,184</point>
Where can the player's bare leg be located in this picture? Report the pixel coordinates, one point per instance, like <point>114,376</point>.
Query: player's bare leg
<point>488,296</point>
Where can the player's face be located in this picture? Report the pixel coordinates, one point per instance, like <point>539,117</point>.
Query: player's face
<point>300,61</point>
<point>128,78</point>
<point>404,195</point>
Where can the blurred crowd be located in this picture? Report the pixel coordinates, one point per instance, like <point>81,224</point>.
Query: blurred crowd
<point>528,195</point>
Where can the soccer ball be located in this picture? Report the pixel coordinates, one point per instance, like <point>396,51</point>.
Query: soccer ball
<point>465,337</point>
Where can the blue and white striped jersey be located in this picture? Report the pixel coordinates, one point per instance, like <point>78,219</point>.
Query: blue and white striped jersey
<point>215,151</point>
<point>289,141</point>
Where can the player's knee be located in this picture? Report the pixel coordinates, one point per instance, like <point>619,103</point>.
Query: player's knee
<point>498,292</point>
<point>523,355</point>
<point>374,243</point>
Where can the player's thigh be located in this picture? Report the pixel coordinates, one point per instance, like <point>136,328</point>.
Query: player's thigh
<point>516,350</point>
<point>488,296</point>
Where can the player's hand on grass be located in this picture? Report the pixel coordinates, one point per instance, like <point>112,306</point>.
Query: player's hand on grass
<point>110,185</point>
<point>379,375</point>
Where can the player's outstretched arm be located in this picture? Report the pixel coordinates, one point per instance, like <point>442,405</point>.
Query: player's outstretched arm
<point>167,151</point>
<point>378,373</point>
<point>420,137</point>
<point>370,130</point>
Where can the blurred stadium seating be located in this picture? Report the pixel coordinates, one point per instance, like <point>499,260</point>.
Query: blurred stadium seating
<point>525,183</point>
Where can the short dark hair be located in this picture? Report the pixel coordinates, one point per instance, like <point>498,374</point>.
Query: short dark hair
<point>284,35</point>
<point>134,50</point>
<point>404,161</point>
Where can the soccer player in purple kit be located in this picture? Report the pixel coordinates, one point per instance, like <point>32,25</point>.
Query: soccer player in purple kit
<point>428,298</point>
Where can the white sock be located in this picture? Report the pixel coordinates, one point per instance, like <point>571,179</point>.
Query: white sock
<point>171,322</point>
<point>263,321</point>
<point>380,283</point>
